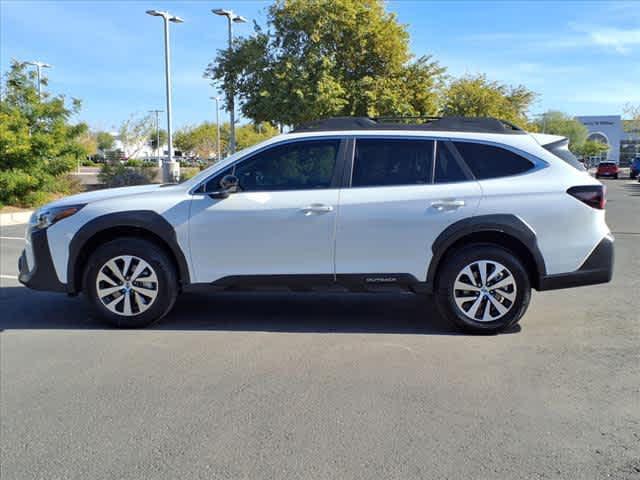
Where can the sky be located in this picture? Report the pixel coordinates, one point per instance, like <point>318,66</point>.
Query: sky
<point>582,58</point>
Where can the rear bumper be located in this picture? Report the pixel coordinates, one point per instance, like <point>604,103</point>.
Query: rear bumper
<point>42,275</point>
<point>597,268</point>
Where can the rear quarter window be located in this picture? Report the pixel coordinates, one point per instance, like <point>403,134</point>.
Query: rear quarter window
<point>489,161</point>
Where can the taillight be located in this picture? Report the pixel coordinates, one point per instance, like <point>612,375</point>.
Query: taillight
<point>593,195</point>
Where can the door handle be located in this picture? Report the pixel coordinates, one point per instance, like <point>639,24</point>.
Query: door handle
<point>316,208</point>
<point>447,204</point>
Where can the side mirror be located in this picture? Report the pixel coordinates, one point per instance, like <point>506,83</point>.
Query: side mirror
<point>228,184</point>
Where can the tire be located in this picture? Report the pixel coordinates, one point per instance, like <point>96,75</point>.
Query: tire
<point>150,273</point>
<point>615,176</point>
<point>513,295</point>
<point>597,176</point>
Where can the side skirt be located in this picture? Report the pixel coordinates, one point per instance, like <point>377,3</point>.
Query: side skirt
<point>352,282</point>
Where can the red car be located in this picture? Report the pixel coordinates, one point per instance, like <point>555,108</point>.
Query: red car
<point>607,169</point>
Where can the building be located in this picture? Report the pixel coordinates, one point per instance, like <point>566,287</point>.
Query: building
<point>609,129</point>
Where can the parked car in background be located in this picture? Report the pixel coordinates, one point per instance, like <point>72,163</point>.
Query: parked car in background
<point>607,169</point>
<point>635,168</point>
<point>476,212</point>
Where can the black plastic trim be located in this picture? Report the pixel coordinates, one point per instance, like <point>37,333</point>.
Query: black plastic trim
<point>352,282</point>
<point>597,268</point>
<point>43,276</point>
<point>143,219</point>
<point>501,223</point>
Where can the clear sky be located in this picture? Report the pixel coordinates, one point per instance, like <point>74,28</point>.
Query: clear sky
<point>580,57</point>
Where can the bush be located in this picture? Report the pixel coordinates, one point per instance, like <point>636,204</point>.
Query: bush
<point>132,162</point>
<point>123,176</point>
<point>15,185</point>
<point>187,172</point>
<point>24,189</point>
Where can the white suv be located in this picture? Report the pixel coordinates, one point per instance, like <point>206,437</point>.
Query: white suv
<point>472,210</point>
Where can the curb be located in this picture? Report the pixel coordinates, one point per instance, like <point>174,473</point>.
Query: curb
<point>15,218</point>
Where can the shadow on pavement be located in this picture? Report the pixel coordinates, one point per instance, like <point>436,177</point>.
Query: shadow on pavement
<point>265,312</point>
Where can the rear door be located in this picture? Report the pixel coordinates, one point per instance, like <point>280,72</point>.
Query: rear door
<point>403,193</point>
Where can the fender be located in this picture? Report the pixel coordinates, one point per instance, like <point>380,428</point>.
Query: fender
<point>499,223</point>
<point>140,219</point>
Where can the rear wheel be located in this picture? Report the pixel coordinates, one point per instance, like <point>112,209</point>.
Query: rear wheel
<point>483,288</point>
<point>131,283</point>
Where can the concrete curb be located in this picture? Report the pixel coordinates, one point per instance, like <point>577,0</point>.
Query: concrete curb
<point>15,218</point>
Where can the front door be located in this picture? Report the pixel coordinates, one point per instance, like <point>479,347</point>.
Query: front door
<point>281,222</point>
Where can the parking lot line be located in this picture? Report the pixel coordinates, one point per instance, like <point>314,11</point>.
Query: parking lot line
<point>9,277</point>
<point>11,238</point>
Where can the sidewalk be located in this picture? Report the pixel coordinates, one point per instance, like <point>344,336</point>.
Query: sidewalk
<point>15,218</point>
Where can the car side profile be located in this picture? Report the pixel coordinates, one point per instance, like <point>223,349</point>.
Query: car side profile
<point>471,210</point>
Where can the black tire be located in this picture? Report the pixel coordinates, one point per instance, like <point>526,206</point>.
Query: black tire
<point>455,262</point>
<point>597,176</point>
<point>167,282</point>
<point>615,176</point>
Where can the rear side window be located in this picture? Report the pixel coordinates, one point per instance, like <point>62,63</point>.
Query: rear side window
<point>488,161</point>
<point>448,169</point>
<point>385,162</point>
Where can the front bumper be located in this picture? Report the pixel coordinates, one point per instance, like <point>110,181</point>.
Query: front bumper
<point>597,268</point>
<point>42,275</point>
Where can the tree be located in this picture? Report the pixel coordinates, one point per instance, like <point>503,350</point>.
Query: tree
<point>632,123</point>
<point>134,133</point>
<point>199,140</point>
<point>248,135</point>
<point>105,141</point>
<point>476,96</point>
<point>558,123</point>
<point>162,134</point>
<point>327,58</point>
<point>37,141</point>
<point>590,148</point>
<point>88,142</point>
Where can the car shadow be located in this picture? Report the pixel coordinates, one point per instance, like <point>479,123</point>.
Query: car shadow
<point>21,308</point>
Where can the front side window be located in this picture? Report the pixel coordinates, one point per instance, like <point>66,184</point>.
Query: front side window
<point>385,162</point>
<point>306,165</point>
<point>488,161</point>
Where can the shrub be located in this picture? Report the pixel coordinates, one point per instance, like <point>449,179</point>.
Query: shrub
<point>132,162</point>
<point>123,176</point>
<point>187,172</point>
<point>15,184</point>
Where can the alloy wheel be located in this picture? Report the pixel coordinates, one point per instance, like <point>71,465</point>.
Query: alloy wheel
<point>127,285</point>
<point>485,291</point>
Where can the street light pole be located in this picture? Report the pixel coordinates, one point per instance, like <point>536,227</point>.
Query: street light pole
<point>231,18</point>
<point>157,112</point>
<point>39,66</point>
<point>217,99</point>
<point>171,168</point>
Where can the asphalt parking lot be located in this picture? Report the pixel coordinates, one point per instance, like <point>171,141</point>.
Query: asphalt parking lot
<point>331,386</point>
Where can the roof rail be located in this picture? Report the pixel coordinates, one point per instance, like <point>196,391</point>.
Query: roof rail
<point>456,124</point>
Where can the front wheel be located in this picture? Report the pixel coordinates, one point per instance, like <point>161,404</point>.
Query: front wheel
<point>483,288</point>
<point>131,283</point>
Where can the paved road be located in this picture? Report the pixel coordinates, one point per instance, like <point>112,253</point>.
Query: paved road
<point>298,386</point>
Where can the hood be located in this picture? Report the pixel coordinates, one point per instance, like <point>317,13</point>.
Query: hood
<point>108,193</point>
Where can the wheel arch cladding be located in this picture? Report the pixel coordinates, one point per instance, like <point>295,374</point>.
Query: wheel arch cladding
<point>143,224</point>
<point>503,230</point>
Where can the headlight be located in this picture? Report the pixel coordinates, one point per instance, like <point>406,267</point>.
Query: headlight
<point>46,217</point>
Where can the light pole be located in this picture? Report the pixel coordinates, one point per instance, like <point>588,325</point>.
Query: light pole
<point>157,112</point>
<point>171,168</point>
<point>231,19</point>
<point>217,100</point>
<point>39,66</point>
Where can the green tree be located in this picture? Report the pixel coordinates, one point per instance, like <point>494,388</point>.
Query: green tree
<point>37,141</point>
<point>477,96</point>
<point>590,148</point>
<point>162,134</point>
<point>558,123</point>
<point>632,123</point>
<point>105,141</point>
<point>327,58</point>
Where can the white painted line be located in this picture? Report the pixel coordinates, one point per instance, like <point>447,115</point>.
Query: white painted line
<point>12,238</point>
<point>9,277</point>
